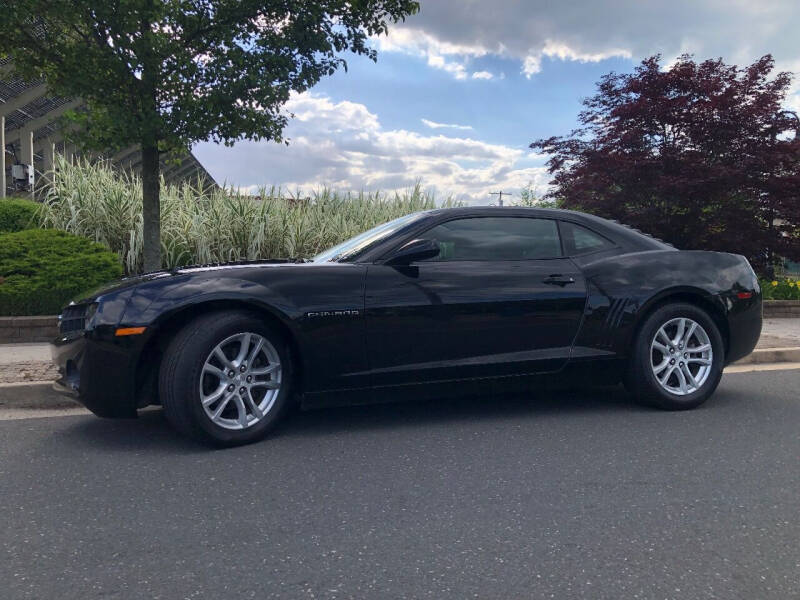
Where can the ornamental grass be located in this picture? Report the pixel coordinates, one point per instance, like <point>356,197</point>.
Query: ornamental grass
<point>202,224</point>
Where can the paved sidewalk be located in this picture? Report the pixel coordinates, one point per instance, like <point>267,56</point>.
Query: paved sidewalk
<point>31,362</point>
<point>16,353</point>
<point>26,362</point>
<point>780,333</point>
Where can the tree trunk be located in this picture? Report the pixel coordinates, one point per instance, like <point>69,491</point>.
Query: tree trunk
<point>151,208</point>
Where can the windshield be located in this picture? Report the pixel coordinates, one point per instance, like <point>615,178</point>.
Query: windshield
<point>360,242</point>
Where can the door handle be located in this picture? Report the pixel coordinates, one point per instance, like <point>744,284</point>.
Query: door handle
<point>558,279</point>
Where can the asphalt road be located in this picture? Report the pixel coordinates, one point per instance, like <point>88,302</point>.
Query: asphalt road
<point>579,495</point>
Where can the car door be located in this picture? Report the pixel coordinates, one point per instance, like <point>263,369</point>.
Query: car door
<point>500,299</point>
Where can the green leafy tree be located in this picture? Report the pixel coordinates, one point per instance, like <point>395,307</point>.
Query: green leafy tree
<point>530,196</point>
<point>167,73</point>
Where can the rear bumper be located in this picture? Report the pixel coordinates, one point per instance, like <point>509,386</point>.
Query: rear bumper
<point>99,374</point>
<point>744,326</point>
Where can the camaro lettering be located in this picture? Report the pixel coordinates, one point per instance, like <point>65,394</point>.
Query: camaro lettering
<point>333,313</point>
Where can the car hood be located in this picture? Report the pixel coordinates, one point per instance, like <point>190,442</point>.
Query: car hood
<point>135,280</point>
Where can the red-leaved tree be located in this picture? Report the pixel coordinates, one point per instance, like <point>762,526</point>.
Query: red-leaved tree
<point>702,155</point>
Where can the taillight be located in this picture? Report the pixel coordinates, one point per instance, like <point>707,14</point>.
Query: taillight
<point>753,275</point>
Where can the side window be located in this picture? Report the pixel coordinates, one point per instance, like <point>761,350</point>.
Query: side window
<point>496,238</point>
<point>579,240</point>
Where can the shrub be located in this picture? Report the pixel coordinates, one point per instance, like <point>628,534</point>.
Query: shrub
<point>204,225</point>
<point>780,289</point>
<point>42,270</point>
<point>17,214</point>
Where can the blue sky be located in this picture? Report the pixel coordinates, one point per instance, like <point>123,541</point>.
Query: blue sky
<point>514,110</point>
<point>462,88</point>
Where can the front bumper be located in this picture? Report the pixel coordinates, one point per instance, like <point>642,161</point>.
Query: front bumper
<point>98,373</point>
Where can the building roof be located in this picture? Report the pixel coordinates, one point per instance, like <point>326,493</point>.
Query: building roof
<point>27,104</point>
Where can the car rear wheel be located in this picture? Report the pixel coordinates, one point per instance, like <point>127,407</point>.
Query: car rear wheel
<point>677,360</point>
<point>225,379</point>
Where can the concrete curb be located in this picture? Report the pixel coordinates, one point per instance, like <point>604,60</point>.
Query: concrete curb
<point>771,355</point>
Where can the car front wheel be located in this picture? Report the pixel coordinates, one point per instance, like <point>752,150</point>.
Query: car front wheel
<point>225,378</point>
<point>677,360</point>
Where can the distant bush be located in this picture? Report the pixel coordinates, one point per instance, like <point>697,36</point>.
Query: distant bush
<point>42,270</point>
<point>780,289</point>
<point>17,214</point>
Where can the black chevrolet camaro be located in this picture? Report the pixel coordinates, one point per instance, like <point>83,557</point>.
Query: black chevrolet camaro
<point>431,304</point>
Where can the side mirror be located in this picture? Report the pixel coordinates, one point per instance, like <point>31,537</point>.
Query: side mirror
<point>413,251</point>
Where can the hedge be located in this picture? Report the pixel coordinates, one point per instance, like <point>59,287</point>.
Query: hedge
<point>17,214</point>
<point>41,270</point>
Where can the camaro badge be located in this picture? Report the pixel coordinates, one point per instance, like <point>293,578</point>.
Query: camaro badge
<point>349,312</point>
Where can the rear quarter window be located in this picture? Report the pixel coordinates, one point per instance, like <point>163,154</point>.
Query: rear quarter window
<point>581,240</point>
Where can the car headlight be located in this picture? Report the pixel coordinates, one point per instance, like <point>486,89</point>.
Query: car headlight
<point>91,311</point>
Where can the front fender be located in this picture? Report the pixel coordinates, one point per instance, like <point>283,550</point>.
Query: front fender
<point>145,310</point>
<point>320,307</point>
<point>156,309</point>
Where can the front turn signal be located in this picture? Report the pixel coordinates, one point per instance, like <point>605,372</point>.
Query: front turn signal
<point>129,331</point>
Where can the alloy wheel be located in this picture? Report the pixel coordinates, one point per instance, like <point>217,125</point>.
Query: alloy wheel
<point>681,356</point>
<point>240,381</point>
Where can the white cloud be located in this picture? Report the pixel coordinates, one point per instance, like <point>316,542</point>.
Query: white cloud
<point>437,61</point>
<point>793,103</point>
<point>343,145</point>
<point>482,75</point>
<point>564,52</point>
<point>413,41</point>
<point>531,65</point>
<point>435,125</point>
<point>437,54</point>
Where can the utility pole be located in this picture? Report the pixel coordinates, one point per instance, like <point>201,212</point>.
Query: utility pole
<point>500,194</point>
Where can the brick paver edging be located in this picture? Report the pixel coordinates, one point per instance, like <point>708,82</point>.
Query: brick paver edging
<point>19,330</point>
<point>781,308</point>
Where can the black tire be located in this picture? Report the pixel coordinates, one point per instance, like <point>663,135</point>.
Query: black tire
<point>182,367</point>
<point>640,380</point>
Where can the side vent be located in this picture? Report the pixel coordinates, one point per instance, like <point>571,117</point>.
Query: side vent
<point>613,320</point>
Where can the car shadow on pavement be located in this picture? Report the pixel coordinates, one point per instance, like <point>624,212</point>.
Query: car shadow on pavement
<point>434,413</point>
<point>151,432</point>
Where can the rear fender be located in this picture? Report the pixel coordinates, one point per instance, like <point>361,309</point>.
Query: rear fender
<point>623,289</point>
